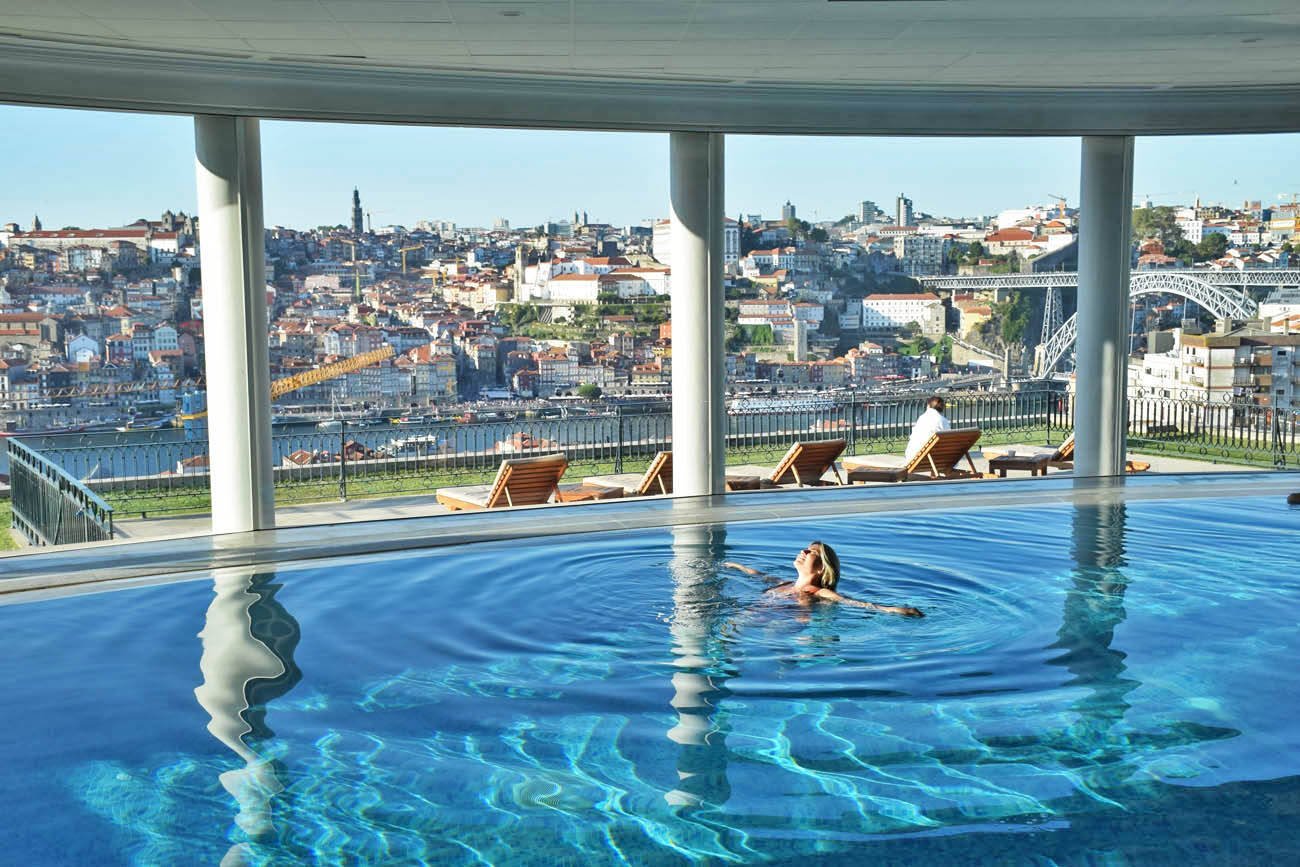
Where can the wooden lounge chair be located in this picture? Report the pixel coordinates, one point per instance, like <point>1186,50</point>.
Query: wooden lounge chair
<point>519,482</point>
<point>657,478</point>
<point>1063,458</point>
<point>938,458</point>
<point>805,464</point>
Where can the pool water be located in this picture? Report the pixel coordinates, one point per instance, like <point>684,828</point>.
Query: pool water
<point>1092,684</point>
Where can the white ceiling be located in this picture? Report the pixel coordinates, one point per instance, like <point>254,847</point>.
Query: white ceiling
<point>860,49</point>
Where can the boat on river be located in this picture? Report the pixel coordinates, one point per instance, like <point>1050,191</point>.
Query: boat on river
<point>413,446</point>
<point>779,403</point>
<point>147,423</point>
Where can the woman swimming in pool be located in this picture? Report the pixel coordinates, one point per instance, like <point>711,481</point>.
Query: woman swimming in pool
<point>818,568</point>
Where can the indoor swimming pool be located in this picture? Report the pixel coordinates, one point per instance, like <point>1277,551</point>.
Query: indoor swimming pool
<point>1101,681</point>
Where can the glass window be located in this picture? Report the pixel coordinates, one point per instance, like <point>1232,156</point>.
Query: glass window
<point>102,333</point>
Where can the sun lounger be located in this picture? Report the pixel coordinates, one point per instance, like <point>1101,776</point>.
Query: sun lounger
<point>803,466</point>
<point>519,482</point>
<point>657,478</point>
<point>938,458</point>
<point>1063,458</point>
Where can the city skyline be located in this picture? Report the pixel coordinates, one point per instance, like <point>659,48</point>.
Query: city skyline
<point>142,165</point>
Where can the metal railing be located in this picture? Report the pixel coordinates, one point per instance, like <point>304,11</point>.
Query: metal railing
<point>1237,432</point>
<point>51,507</point>
<point>143,473</point>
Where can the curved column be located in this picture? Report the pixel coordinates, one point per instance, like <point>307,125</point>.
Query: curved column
<point>1101,352</point>
<point>698,364</point>
<point>228,169</point>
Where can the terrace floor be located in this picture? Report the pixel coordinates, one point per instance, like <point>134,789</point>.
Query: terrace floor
<point>422,505</point>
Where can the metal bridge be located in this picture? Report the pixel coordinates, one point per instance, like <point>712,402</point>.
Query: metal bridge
<point>1220,292</point>
<point>1220,299</point>
<point>1061,279</point>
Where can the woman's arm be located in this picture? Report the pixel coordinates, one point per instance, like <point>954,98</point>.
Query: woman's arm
<point>904,610</point>
<point>746,569</point>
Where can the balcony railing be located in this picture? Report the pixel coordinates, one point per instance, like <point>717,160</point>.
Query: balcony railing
<point>144,473</point>
<point>50,507</point>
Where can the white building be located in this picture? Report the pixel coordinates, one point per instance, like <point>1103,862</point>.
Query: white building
<point>1193,228</point>
<point>903,211</point>
<point>662,242</point>
<point>82,348</point>
<point>637,282</point>
<point>889,312</point>
<point>574,288</point>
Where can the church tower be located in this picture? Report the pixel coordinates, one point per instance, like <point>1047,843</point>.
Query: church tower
<point>36,222</point>
<point>358,225</point>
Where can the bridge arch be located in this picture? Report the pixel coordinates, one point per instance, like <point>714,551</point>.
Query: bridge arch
<point>1223,302</point>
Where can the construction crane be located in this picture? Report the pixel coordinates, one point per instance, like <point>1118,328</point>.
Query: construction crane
<point>356,269</point>
<point>404,251</point>
<point>1178,193</point>
<point>1060,204</point>
<point>281,387</point>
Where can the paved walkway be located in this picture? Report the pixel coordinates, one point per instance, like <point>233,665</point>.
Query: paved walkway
<point>424,505</point>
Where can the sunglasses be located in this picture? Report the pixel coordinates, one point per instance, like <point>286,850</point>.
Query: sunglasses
<point>809,549</point>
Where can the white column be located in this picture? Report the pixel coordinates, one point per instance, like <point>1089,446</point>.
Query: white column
<point>1105,218</point>
<point>228,165</point>
<point>698,365</point>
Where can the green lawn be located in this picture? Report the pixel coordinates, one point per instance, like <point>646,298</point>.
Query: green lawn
<point>7,542</point>
<point>129,505</point>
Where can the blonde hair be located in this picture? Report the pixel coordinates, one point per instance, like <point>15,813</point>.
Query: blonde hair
<point>830,563</point>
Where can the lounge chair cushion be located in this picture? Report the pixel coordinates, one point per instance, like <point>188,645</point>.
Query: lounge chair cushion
<point>938,458</point>
<point>476,495</point>
<point>527,481</point>
<point>629,482</point>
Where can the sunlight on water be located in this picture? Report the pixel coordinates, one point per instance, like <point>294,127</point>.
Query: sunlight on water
<point>1090,677</point>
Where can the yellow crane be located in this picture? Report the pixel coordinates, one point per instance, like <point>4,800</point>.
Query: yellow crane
<point>281,387</point>
<point>404,251</point>
<point>1060,204</point>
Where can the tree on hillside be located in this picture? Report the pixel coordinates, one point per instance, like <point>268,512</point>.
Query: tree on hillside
<point>1212,246</point>
<point>818,235</point>
<point>1013,318</point>
<point>1183,250</point>
<point>589,391</point>
<point>515,316</point>
<point>1157,222</point>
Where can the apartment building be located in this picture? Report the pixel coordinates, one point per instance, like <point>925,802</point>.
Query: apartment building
<point>887,313</point>
<point>1246,365</point>
<point>920,255</point>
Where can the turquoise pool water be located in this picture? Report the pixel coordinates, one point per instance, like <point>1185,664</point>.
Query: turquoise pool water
<point>1110,684</point>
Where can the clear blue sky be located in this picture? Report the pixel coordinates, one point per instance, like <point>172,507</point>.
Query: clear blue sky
<point>101,168</point>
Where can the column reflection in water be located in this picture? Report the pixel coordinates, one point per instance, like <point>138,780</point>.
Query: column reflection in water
<point>248,644</point>
<point>1094,608</point>
<point>699,681</point>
